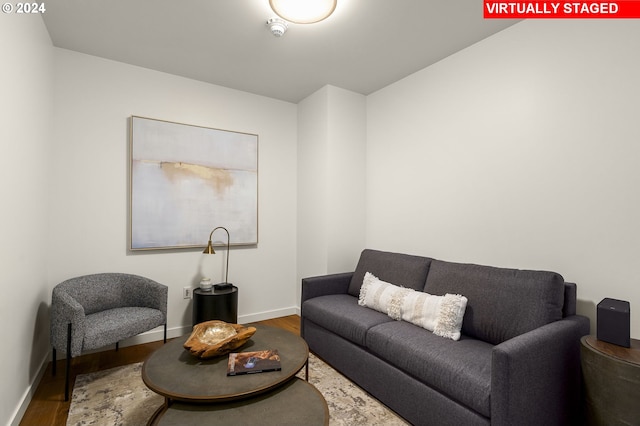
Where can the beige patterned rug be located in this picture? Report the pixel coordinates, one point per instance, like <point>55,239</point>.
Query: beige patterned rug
<point>119,397</point>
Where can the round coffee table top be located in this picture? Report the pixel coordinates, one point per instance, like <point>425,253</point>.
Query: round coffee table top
<point>174,373</point>
<point>295,403</point>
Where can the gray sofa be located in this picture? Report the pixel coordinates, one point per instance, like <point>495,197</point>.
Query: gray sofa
<point>517,362</point>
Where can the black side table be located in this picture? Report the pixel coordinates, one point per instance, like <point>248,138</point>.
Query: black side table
<point>215,304</point>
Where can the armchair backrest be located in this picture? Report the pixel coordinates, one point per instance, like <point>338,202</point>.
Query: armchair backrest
<point>99,292</point>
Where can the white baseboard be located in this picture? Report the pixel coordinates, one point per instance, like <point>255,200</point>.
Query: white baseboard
<point>17,415</point>
<point>157,333</point>
<point>261,316</point>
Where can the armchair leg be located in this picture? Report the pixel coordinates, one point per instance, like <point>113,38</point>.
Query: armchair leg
<point>53,362</point>
<point>117,346</point>
<point>165,332</point>
<point>66,380</point>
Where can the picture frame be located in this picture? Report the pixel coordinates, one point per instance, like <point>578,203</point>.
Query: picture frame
<point>186,180</point>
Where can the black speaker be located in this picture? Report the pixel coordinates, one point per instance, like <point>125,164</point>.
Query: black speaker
<point>614,323</point>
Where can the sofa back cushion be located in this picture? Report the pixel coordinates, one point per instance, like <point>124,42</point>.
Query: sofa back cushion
<point>400,269</point>
<point>502,303</point>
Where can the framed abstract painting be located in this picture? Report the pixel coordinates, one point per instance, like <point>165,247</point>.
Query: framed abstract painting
<point>186,180</point>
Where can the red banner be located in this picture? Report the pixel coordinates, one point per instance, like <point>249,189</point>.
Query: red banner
<point>621,9</point>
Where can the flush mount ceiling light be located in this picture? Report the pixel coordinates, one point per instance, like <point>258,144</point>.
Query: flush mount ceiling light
<point>303,11</point>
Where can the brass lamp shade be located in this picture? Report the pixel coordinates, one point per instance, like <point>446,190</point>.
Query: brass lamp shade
<point>209,249</point>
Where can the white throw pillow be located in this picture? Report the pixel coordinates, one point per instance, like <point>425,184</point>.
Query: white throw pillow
<point>440,314</point>
<point>377,294</point>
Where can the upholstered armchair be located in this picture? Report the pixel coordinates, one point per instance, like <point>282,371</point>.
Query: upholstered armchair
<point>93,311</point>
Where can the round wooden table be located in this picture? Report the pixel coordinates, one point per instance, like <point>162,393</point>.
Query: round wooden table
<point>295,403</point>
<point>611,378</point>
<point>174,373</point>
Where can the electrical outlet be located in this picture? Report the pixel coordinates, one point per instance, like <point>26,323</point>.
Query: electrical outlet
<point>187,292</point>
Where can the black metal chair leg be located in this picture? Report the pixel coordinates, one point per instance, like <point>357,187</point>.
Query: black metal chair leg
<point>66,380</point>
<point>53,360</point>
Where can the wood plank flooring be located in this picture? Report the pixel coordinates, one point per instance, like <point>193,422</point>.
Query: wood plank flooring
<point>48,406</point>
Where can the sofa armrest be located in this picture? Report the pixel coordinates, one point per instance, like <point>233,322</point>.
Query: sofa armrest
<point>569,307</point>
<point>325,285</point>
<point>64,310</point>
<point>535,377</point>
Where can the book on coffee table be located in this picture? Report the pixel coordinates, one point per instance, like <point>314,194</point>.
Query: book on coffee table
<point>253,362</point>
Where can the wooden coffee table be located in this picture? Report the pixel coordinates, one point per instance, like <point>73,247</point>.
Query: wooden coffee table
<point>294,403</point>
<point>185,380</point>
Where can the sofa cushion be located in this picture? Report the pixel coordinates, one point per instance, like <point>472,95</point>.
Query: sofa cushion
<point>460,370</point>
<point>440,314</point>
<point>340,314</point>
<point>502,303</point>
<point>400,269</point>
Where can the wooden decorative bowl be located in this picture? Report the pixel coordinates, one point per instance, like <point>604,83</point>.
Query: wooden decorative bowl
<point>214,338</point>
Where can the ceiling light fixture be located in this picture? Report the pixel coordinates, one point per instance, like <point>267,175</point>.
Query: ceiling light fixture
<point>303,11</point>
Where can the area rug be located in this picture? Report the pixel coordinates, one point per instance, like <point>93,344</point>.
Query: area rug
<point>119,397</point>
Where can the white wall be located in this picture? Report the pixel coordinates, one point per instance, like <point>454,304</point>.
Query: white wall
<point>25,124</point>
<point>346,176</point>
<point>520,151</point>
<point>331,181</point>
<point>313,155</point>
<point>89,183</point>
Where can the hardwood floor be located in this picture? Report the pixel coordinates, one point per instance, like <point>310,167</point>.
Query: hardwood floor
<point>48,406</point>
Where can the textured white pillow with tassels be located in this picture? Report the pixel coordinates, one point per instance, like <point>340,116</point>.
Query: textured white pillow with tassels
<point>379,295</point>
<point>440,314</point>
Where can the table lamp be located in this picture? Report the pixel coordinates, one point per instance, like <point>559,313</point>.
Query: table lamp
<point>209,250</point>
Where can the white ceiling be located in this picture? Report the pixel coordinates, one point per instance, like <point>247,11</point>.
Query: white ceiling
<point>364,46</point>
